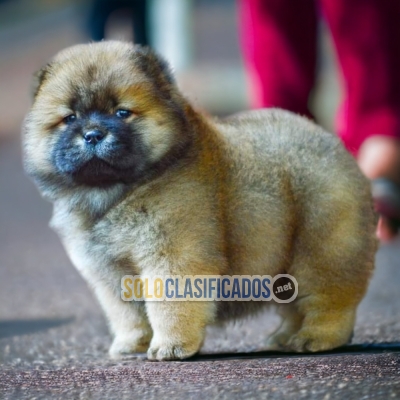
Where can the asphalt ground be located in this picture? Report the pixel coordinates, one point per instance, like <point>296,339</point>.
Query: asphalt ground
<point>53,336</point>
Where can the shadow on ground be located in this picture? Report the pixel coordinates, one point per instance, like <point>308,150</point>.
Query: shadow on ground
<point>25,327</point>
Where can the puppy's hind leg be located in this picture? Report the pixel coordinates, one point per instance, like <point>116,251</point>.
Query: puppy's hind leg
<point>332,275</point>
<point>324,326</point>
<point>290,324</point>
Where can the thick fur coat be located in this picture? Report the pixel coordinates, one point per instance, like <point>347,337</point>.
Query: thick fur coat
<point>143,184</point>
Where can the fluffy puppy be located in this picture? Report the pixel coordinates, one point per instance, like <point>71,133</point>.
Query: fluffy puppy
<point>143,184</point>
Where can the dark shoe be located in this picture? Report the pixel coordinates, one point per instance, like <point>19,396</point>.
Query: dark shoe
<point>386,195</point>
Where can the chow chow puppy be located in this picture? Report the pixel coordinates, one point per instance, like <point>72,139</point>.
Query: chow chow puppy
<point>143,184</point>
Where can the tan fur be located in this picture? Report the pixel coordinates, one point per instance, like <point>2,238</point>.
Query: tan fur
<point>263,192</point>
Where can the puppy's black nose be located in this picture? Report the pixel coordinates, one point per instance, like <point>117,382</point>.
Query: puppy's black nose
<point>93,137</point>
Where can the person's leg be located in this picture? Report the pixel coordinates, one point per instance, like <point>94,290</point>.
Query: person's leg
<point>367,36</point>
<point>278,39</point>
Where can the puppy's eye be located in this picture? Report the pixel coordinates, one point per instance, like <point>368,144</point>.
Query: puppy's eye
<point>69,119</point>
<point>123,113</point>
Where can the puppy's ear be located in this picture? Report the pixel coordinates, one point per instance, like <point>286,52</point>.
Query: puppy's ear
<point>38,78</point>
<point>154,66</point>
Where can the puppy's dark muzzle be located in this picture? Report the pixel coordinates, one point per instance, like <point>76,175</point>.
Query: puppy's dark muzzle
<point>94,136</point>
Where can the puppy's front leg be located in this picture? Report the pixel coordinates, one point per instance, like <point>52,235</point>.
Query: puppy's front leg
<point>179,327</point>
<point>127,320</point>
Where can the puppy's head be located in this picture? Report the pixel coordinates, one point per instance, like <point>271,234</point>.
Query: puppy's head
<point>103,113</point>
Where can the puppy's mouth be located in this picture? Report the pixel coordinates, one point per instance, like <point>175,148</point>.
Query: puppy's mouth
<point>97,172</point>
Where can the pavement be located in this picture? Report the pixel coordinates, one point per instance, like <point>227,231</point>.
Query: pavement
<point>54,338</point>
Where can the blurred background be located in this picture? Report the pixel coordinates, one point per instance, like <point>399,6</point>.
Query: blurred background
<point>199,37</point>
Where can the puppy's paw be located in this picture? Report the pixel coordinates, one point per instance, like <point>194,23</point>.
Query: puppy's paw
<point>278,341</point>
<point>124,345</point>
<point>171,351</point>
<point>312,341</point>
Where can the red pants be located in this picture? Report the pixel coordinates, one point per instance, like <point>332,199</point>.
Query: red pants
<point>279,46</point>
